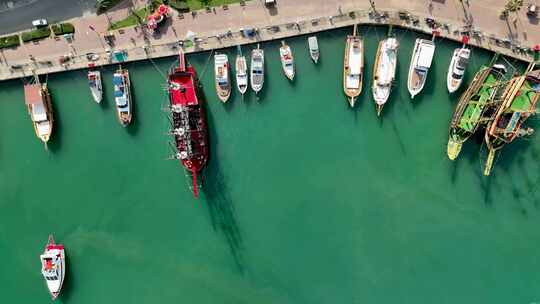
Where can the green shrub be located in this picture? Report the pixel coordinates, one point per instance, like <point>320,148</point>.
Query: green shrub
<point>63,28</point>
<point>9,41</point>
<point>36,34</point>
<point>105,5</point>
<point>180,6</point>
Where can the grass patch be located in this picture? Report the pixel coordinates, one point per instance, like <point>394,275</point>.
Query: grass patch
<point>36,34</point>
<point>139,16</point>
<point>136,17</point>
<point>105,5</point>
<point>63,28</point>
<point>9,41</point>
<point>198,4</point>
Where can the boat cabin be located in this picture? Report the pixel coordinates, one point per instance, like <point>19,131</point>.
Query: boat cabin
<point>120,95</point>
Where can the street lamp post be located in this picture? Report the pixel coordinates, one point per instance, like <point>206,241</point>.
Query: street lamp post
<point>99,37</point>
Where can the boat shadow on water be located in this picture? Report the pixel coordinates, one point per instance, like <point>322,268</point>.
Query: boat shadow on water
<point>134,126</point>
<point>69,282</point>
<point>55,143</point>
<point>219,202</point>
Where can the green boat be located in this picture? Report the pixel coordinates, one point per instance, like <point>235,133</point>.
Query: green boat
<point>519,103</point>
<point>472,106</point>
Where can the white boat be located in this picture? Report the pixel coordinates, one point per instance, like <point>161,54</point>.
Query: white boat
<point>353,66</point>
<point>241,72</point>
<point>384,71</point>
<point>96,88</point>
<point>223,81</point>
<point>257,69</point>
<point>39,105</point>
<point>122,96</point>
<point>287,60</point>
<point>456,70</point>
<point>313,48</point>
<point>421,59</point>
<point>53,266</point>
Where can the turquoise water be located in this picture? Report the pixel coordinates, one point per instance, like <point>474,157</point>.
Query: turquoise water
<point>305,200</point>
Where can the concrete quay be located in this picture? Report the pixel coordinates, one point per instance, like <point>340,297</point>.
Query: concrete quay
<point>221,29</point>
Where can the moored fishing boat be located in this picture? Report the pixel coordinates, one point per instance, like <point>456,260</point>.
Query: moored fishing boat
<point>257,69</point>
<point>384,71</point>
<point>223,80</point>
<point>53,267</point>
<point>188,119</point>
<point>122,96</point>
<point>287,60</point>
<point>472,105</point>
<point>519,103</point>
<point>38,102</point>
<point>241,72</point>
<point>313,46</point>
<point>421,58</point>
<point>456,70</point>
<point>353,66</point>
<point>96,88</point>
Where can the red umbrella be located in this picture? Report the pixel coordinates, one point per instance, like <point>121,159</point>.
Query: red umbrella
<point>465,39</point>
<point>536,48</point>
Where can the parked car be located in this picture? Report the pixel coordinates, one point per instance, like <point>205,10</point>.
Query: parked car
<point>39,22</point>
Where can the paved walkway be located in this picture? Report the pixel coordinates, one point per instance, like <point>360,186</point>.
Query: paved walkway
<point>291,17</point>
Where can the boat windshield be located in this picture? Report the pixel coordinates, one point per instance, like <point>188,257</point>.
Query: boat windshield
<point>52,278</point>
<point>457,76</point>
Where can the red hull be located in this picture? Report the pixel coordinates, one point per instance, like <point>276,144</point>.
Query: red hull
<point>189,123</point>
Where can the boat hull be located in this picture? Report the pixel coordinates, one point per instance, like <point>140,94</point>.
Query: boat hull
<point>189,128</point>
<point>384,71</point>
<point>53,267</point>
<point>39,106</point>
<point>241,74</point>
<point>421,59</point>
<point>222,77</point>
<point>352,63</point>
<point>257,70</point>
<point>287,61</point>
<point>96,87</point>
<point>313,47</point>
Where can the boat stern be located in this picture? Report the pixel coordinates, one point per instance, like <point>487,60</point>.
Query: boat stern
<point>379,109</point>
<point>453,148</point>
<point>352,101</point>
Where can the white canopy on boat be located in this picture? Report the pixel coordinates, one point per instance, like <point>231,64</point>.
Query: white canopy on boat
<point>425,54</point>
<point>38,112</point>
<point>355,61</point>
<point>313,44</point>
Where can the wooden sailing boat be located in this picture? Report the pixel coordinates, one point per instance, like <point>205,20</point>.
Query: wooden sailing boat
<point>472,105</point>
<point>384,71</point>
<point>353,66</point>
<point>38,103</point>
<point>519,103</point>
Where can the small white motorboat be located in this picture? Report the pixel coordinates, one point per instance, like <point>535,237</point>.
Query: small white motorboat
<point>241,72</point>
<point>223,81</point>
<point>53,267</point>
<point>257,69</point>
<point>96,88</point>
<point>456,70</point>
<point>313,48</point>
<point>287,60</point>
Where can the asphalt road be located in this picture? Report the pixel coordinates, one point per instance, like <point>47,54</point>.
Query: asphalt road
<point>24,11</point>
